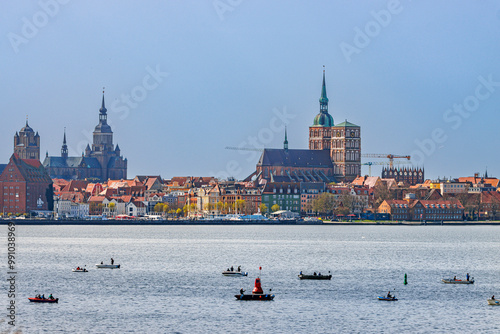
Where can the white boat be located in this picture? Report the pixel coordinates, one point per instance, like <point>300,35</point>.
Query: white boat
<point>234,273</point>
<point>79,270</point>
<point>108,266</point>
<point>493,302</point>
<point>457,281</point>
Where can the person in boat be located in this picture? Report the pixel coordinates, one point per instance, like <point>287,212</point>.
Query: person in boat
<point>232,269</point>
<point>455,278</point>
<point>239,268</point>
<point>77,268</point>
<point>241,291</point>
<point>389,296</point>
<point>42,297</point>
<point>314,274</point>
<point>493,297</point>
<point>102,262</point>
<point>319,274</point>
<point>467,276</point>
<point>50,296</point>
<point>112,261</point>
<point>300,272</point>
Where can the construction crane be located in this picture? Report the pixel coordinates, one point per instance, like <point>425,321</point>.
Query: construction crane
<point>244,149</point>
<point>370,164</point>
<point>391,157</point>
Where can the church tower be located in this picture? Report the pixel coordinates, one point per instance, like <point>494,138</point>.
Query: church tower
<point>320,132</point>
<point>103,136</point>
<point>343,141</point>
<point>64,148</point>
<point>27,143</point>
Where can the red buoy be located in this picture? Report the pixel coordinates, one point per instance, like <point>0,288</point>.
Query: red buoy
<point>257,289</point>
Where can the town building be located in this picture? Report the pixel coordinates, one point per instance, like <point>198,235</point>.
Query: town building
<point>407,175</point>
<point>424,210</point>
<point>26,186</point>
<point>284,194</point>
<point>101,162</point>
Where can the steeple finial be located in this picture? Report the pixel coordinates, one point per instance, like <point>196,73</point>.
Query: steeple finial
<point>26,120</point>
<point>64,139</point>
<point>103,107</point>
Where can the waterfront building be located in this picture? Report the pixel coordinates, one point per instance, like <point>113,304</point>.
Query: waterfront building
<point>309,192</point>
<point>284,194</point>
<point>101,162</point>
<point>424,210</point>
<point>25,186</point>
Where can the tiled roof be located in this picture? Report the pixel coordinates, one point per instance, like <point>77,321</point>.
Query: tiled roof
<point>295,158</point>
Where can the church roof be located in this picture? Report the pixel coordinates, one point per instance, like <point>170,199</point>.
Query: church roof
<point>26,128</point>
<point>347,124</point>
<point>71,162</point>
<point>295,158</point>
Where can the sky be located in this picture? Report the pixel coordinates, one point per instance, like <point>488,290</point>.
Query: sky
<point>186,79</point>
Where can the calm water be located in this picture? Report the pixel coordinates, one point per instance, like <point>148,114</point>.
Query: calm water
<point>171,282</point>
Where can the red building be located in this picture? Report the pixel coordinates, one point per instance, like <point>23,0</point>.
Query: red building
<point>26,186</point>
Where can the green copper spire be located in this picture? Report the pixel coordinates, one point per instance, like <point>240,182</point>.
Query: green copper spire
<point>323,100</point>
<point>323,118</point>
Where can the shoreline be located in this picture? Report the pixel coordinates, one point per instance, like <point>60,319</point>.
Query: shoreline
<point>111,222</point>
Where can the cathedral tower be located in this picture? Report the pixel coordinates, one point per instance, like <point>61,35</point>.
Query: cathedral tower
<point>27,143</point>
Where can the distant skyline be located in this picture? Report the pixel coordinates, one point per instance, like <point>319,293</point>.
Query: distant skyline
<point>185,79</point>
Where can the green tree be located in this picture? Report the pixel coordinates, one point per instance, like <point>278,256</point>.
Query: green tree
<point>263,208</point>
<point>275,208</point>
<point>158,207</point>
<point>324,204</point>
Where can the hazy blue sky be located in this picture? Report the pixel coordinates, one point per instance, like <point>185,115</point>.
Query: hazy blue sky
<point>185,79</point>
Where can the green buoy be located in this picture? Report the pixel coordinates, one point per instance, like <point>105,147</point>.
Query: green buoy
<point>406,279</point>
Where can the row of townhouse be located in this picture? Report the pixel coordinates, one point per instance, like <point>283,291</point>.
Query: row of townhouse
<point>412,209</point>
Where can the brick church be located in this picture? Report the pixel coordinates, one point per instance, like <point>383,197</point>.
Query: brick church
<point>334,153</point>
<point>101,162</point>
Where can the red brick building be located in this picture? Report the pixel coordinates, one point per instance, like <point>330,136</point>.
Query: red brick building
<point>25,186</point>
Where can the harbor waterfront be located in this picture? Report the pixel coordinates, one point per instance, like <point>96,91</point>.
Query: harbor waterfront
<point>170,278</point>
<point>118,222</point>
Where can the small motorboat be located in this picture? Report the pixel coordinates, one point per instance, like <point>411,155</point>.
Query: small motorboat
<point>79,270</point>
<point>314,276</point>
<point>108,266</point>
<point>493,302</point>
<point>457,281</point>
<point>234,273</point>
<point>389,299</point>
<point>44,300</point>
<point>255,297</point>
